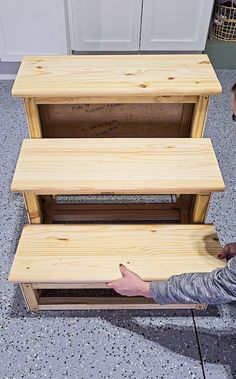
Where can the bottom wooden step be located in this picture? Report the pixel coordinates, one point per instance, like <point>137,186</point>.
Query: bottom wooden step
<point>51,259</point>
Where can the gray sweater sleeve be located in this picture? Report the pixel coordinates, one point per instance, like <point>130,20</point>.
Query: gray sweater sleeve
<point>216,287</point>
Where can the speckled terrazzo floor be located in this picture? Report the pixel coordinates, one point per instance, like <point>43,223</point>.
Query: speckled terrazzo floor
<point>114,344</point>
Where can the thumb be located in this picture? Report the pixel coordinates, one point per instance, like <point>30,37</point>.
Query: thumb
<point>224,252</point>
<point>123,269</point>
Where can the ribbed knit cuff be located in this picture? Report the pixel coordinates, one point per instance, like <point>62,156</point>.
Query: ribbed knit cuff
<point>158,291</point>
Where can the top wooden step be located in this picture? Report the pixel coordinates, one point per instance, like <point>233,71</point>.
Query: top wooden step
<point>117,166</point>
<point>92,253</point>
<point>116,76</point>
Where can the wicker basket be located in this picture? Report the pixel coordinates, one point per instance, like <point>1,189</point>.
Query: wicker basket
<point>224,22</point>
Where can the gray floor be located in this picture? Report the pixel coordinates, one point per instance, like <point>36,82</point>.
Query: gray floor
<point>114,344</point>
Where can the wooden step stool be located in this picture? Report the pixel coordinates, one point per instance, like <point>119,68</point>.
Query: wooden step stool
<point>138,96</point>
<point>58,265</point>
<point>135,99</point>
<point>50,167</point>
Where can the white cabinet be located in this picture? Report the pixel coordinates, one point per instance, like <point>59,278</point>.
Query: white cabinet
<point>105,25</point>
<point>30,27</point>
<point>175,24</point>
<point>50,27</point>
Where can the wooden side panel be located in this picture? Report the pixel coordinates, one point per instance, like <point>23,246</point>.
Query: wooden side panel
<point>115,120</point>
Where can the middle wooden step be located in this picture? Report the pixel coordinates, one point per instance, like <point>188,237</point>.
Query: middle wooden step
<point>117,166</point>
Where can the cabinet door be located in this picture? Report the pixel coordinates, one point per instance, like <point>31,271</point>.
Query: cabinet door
<point>175,24</point>
<point>32,28</point>
<point>105,25</point>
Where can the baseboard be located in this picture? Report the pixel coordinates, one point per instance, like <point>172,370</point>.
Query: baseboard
<point>8,70</point>
<point>7,76</point>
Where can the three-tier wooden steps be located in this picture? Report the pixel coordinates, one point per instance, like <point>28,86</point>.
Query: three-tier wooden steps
<point>113,125</point>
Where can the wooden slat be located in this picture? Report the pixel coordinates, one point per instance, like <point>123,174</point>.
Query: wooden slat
<point>168,99</point>
<point>58,303</point>
<point>92,253</point>
<point>116,76</point>
<point>117,166</point>
<point>58,286</point>
<point>114,212</point>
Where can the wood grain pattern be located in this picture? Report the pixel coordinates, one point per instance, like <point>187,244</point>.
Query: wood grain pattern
<point>116,76</point>
<point>117,166</point>
<point>92,253</point>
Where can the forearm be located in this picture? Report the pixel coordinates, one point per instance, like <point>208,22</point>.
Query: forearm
<point>216,287</point>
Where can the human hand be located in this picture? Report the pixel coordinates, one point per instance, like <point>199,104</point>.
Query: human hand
<point>130,284</point>
<point>228,252</point>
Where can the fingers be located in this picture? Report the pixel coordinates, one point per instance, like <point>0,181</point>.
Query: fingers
<point>123,269</point>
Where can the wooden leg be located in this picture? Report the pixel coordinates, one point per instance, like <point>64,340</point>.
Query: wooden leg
<point>200,207</point>
<point>185,204</point>
<point>33,118</point>
<point>47,208</point>
<point>33,207</point>
<point>199,117</point>
<point>185,124</point>
<point>30,297</point>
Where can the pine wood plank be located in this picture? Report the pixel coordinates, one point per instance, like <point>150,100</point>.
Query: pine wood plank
<point>92,253</point>
<point>116,76</point>
<point>117,166</point>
